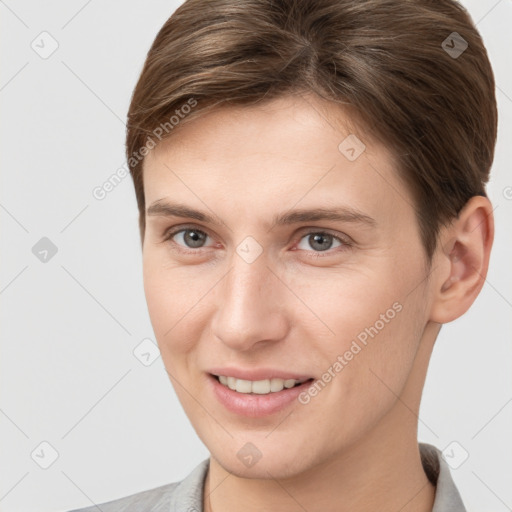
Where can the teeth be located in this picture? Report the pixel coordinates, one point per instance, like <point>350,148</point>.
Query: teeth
<point>260,387</point>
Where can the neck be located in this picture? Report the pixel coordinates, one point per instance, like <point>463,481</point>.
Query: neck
<point>370,477</point>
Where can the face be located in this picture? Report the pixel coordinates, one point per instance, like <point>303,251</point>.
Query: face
<point>251,288</point>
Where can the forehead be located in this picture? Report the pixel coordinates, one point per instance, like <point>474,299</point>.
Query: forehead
<point>268,127</point>
<point>273,156</point>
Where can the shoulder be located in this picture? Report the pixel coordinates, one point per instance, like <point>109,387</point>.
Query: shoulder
<point>152,499</point>
<point>159,499</point>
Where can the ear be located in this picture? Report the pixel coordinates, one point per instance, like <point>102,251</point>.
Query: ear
<point>462,260</point>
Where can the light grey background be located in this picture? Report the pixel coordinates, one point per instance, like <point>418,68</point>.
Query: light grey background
<point>69,326</point>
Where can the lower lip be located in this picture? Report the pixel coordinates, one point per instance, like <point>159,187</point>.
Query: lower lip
<point>255,405</point>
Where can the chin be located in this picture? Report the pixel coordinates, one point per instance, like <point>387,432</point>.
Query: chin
<point>271,460</point>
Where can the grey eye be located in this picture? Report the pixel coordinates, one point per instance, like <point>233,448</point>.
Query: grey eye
<point>319,241</point>
<point>192,238</point>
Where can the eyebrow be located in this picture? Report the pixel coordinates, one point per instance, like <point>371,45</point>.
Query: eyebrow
<point>162,208</point>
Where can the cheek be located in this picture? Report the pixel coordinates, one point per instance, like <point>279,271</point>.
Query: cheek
<point>347,302</point>
<point>371,325</point>
<point>167,300</point>
<point>175,298</point>
<point>158,299</point>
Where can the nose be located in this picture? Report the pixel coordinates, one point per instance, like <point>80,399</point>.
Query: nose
<point>250,305</point>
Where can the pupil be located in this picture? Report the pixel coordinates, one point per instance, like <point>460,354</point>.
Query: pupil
<point>195,237</point>
<point>317,238</point>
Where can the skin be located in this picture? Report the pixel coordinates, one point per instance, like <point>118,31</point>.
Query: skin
<point>354,445</point>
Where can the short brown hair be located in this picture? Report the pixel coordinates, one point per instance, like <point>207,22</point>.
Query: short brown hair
<point>388,59</point>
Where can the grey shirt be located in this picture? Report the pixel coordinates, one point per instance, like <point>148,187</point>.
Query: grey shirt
<point>187,495</point>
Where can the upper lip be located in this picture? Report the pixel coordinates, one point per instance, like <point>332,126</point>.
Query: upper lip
<point>258,373</point>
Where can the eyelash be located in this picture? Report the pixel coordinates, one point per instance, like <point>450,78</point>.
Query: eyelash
<point>315,254</point>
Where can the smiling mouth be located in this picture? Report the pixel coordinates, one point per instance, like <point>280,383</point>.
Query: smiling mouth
<point>258,387</point>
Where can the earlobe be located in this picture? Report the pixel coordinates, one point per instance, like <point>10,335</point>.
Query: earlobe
<point>463,260</point>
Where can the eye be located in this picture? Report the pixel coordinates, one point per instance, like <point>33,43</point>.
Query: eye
<point>189,237</point>
<point>322,241</point>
